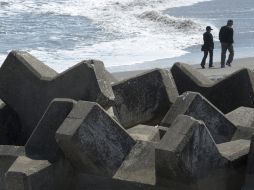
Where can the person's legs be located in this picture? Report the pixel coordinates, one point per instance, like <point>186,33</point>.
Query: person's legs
<point>231,54</point>
<point>204,59</point>
<point>211,58</point>
<point>224,48</point>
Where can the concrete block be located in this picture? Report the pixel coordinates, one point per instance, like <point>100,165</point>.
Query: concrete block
<point>144,133</point>
<point>242,116</point>
<point>139,165</point>
<point>93,141</point>
<point>28,86</point>
<point>10,126</point>
<point>145,98</point>
<point>8,154</point>
<point>186,154</point>
<point>195,105</point>
<point>227,94</point>
<point>28,174</point>
<point>249,178</point>
<point>42,144</point>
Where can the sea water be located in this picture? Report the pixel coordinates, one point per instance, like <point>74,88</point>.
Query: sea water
<point>62,33</point>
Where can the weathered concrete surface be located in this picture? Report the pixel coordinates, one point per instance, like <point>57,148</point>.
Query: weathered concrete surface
<point>228,94</point>
<point>10,126</point>
<point>42,144</point>
<point>144,99</point>
<point>92,141</point>
<point>242,116</point>
<point>195,105</point>
<point>8,154</point>
<point>137,172</point>
<point>28,86</point>
<point>234,149</point>
<point>144,133</point>
<point>249,179</point>
<point>188,158</point>
<point>139,165</point>
<point>27,174</point>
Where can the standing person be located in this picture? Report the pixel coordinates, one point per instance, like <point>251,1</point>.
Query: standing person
<point>226,39</point>
<point>207,47</point>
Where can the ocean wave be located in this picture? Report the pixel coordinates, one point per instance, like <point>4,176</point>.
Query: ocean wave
<point>180,24</point>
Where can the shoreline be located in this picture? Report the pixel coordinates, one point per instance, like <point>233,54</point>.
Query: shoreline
<point>215,72</point>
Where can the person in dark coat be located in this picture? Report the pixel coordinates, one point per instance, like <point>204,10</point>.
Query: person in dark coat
<point>226,39</point>
<point>207,47</point>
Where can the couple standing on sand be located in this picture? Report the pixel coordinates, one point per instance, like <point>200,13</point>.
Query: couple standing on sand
<point>226,40</point>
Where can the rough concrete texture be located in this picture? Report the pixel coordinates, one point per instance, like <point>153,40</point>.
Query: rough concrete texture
<point>227,94</point>
<point>28,86</point>
<point>144,99</point>
<point>28,174</point>
<point>10,126</point>
<point>249,179</point>
<point>8,154</point>
<point>139,166</point>
<point>242,116</point>
<point>144,133</point>
<point>195,105</point>
<point>93,141</point>
<point>42,144</point>
<point>188,158</point>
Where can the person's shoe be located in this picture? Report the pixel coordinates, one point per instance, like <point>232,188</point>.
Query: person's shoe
<point>222,66</point>
<point>203,67</point>
<point>228,64</point>
<point>210,66</point>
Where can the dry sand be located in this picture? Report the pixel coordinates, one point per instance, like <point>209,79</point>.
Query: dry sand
<point>215,72</point>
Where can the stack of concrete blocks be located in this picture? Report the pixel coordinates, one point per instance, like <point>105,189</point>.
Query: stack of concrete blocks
<point>82,129</point>
<point>28,86</point>
<point>234,91</point>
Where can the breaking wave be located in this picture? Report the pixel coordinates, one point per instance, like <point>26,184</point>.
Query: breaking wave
<point>118,32</point>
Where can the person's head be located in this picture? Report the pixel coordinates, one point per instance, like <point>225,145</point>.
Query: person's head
<point>208,29</point>
<point>230,23</point>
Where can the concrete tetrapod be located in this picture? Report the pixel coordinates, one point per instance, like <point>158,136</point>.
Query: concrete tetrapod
<point>10,126</point>
<point>195,105</point>
<point>227,94</point>
<point>8,155</point>
<point>145,98</point>
<point>28,174</point>
<point>42,143</point>
<point>188,158</point>
<point>93,141</point>
<point>28,86</point>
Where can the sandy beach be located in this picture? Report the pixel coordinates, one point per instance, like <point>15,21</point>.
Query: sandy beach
<point>215,73</point>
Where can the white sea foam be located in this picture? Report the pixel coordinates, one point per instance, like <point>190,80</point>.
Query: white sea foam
<point>143,31</point>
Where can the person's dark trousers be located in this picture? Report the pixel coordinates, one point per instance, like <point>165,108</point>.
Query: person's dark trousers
<point>224,48</point>
<point>210,58</point>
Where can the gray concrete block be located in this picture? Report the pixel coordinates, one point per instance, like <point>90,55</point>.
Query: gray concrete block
<point>10,126</point>
<point>234,150</point>
<point>28,174</point>
<point>93,141</point>
<point>28,86</point>
<point>145,98</point>
<point>144,133</point>
<point>139,165</point>
<point>249,178</point>
<point>188,158</point>
<point>42,144</point>
<point>186,154</point>
<point>227,94</point>
<point>242,116</point>
<point>8,154</point>
<point>195,105</point>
